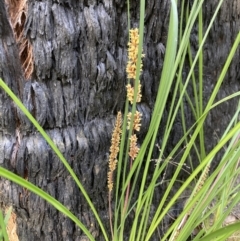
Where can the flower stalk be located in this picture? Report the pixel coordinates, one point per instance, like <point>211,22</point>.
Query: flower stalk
<point>112,163</point>
<point>131,70</point>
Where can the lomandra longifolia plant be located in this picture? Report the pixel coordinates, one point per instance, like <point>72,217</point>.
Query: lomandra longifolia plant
<point>213,195</point>
<point>133,121</point>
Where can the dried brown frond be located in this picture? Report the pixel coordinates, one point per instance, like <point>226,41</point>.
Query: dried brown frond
<point>136,120</point>
<point>133,147</point>
<point>17,10</point>
<point>114,149</point>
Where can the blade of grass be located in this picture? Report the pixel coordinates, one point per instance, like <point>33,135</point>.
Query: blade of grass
<point>3,230</point>
<point>222,233</point>
<point>200,79</point>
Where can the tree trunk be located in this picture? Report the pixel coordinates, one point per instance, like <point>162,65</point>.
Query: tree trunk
<point>77,51</point>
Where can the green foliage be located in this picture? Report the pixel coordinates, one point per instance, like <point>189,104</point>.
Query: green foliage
<point>217,189</point>
<point>3,224</point>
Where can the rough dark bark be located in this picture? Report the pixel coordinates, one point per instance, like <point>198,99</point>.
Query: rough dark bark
<point>78,85</point>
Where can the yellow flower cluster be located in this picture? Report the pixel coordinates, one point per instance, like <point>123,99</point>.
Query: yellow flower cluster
<point>130,93</point>
<point>114,149</point>
<point>131,74</point>
<point>133,147</point>
<point>136,120</point>
<point>132,64</point>
<point>133,54</point>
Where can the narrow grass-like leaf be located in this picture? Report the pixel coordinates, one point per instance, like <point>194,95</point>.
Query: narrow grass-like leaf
<point>223,233</point>
<point>3,230</point>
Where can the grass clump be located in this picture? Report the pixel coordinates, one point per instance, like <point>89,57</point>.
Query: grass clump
<point>134,184</point>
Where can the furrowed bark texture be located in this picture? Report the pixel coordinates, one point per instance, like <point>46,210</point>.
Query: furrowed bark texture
<point>78,85</point>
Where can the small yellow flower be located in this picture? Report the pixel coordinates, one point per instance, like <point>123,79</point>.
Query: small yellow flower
<point>133,147</point>
<point>112,167</point>
<point>130,93</point>
<point>114,149</point>
<point>136,120</point>
<point>133,54</point>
